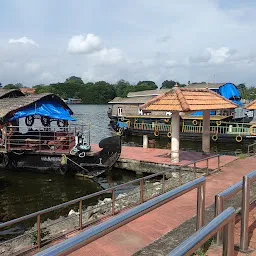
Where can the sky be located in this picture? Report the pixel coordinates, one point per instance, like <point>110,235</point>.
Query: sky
<point>46,41</point>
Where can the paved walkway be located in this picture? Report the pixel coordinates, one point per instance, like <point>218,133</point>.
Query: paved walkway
<point>162,156</point>
<point>139,233</point>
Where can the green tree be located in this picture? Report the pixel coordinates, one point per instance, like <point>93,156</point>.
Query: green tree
<point>74,80</point>
<point>14,86</point>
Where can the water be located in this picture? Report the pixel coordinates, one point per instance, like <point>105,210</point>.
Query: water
<point>22,193</point>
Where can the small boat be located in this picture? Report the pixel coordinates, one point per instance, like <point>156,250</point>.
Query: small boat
<point>39,133</point>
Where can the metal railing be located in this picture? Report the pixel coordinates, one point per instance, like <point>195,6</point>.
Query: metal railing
<point>251,149</point>
<point>45,138</point>
<point>142,198</point>
<point>207,164</point>
<point>231,129</point>
<point>225,220</point>
<point>243,186</point>
<point>225,128</point>
<point>102,229</point>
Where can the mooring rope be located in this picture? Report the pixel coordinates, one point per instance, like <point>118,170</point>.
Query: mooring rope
<point>87,176</point>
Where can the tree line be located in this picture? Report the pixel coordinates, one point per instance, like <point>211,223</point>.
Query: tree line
<point>102,92</point>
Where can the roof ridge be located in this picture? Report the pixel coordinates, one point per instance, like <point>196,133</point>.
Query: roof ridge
<point>183,103</point>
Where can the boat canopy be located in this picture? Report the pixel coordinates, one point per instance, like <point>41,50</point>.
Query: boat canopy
<point>229,91</point>
<point>51,109</point>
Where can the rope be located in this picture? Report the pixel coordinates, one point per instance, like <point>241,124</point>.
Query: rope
<point>87,176</point>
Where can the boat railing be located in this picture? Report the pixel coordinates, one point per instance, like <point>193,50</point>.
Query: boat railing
<point>40,139</point>
<point>222,128</point>
<point>244,186</point>
<point>144,189</point>
<point>102,229</point>
<point>152,127</point>
<point>225,220</point>
<point>251,149</point>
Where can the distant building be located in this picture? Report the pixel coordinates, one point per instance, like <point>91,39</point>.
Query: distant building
<point>28,91</point>
<point>130,106</point>
<point>73,101</point>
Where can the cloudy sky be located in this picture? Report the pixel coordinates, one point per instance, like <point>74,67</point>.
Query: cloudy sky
<point>45,41</point>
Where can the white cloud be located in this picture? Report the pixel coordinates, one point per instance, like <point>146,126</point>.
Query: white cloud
<point>46,77</point>
<point>84,44</point>
<point>23,40</point>
<point>109,56</point>
<point>32,67</point>
<point>219,55</point>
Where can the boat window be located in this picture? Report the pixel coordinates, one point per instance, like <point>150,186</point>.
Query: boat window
<point>119,111</point>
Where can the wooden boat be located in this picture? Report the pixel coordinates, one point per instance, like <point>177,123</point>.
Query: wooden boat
<point>38,134</point>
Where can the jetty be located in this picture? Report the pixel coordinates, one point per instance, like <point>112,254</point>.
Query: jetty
<point>154,160</point>
<point>151,233</point>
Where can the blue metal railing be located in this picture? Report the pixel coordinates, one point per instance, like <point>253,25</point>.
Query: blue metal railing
<point>102,229</point>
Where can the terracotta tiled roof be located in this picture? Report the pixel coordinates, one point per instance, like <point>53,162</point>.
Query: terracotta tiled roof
<point>251,105</point>
<point>185,99</point>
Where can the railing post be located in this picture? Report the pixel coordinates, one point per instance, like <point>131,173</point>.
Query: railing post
<point>228,241</point>
<point>38,232</point>
<point>244,243</point>
<point>200,206</point>
<point>180,177</point>
<point>113,201</point>
<point>80,214</point>
<point>218,162</point>
<point>194,169</point>
<point>142,191</point>
<point>219,207</point>
<point>163,185</point>
<point>207,166</point>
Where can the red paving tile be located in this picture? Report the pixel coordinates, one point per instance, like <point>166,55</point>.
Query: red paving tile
<point>161,156</point>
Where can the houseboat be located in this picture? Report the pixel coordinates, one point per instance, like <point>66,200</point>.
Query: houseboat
<point>126,117</point>
<point>38,132</point>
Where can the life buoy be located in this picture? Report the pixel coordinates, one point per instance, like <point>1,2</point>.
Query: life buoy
<point>215,137</point>
<point>251,130</point>
<point>167,120</point>
<point>194,122</point>
<point>10,130</point>
<point>239,138</point>
<point>156,133</point>
<point>62,123</point>
<point>29,120</point>
<point>218,123</point>
<point>121,131</point>
<point>122,118</point>
<point>128,123</point>
<point>45,120</point>
<point>169,135</point>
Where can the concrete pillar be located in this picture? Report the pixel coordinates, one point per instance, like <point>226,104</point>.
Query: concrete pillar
<point>145,141</point>
<point>206,132</point>
<point>175,151</point>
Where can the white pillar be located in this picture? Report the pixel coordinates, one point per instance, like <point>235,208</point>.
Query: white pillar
<point>175,151</point>
<point>145,141</point>
<point>206,132</point>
